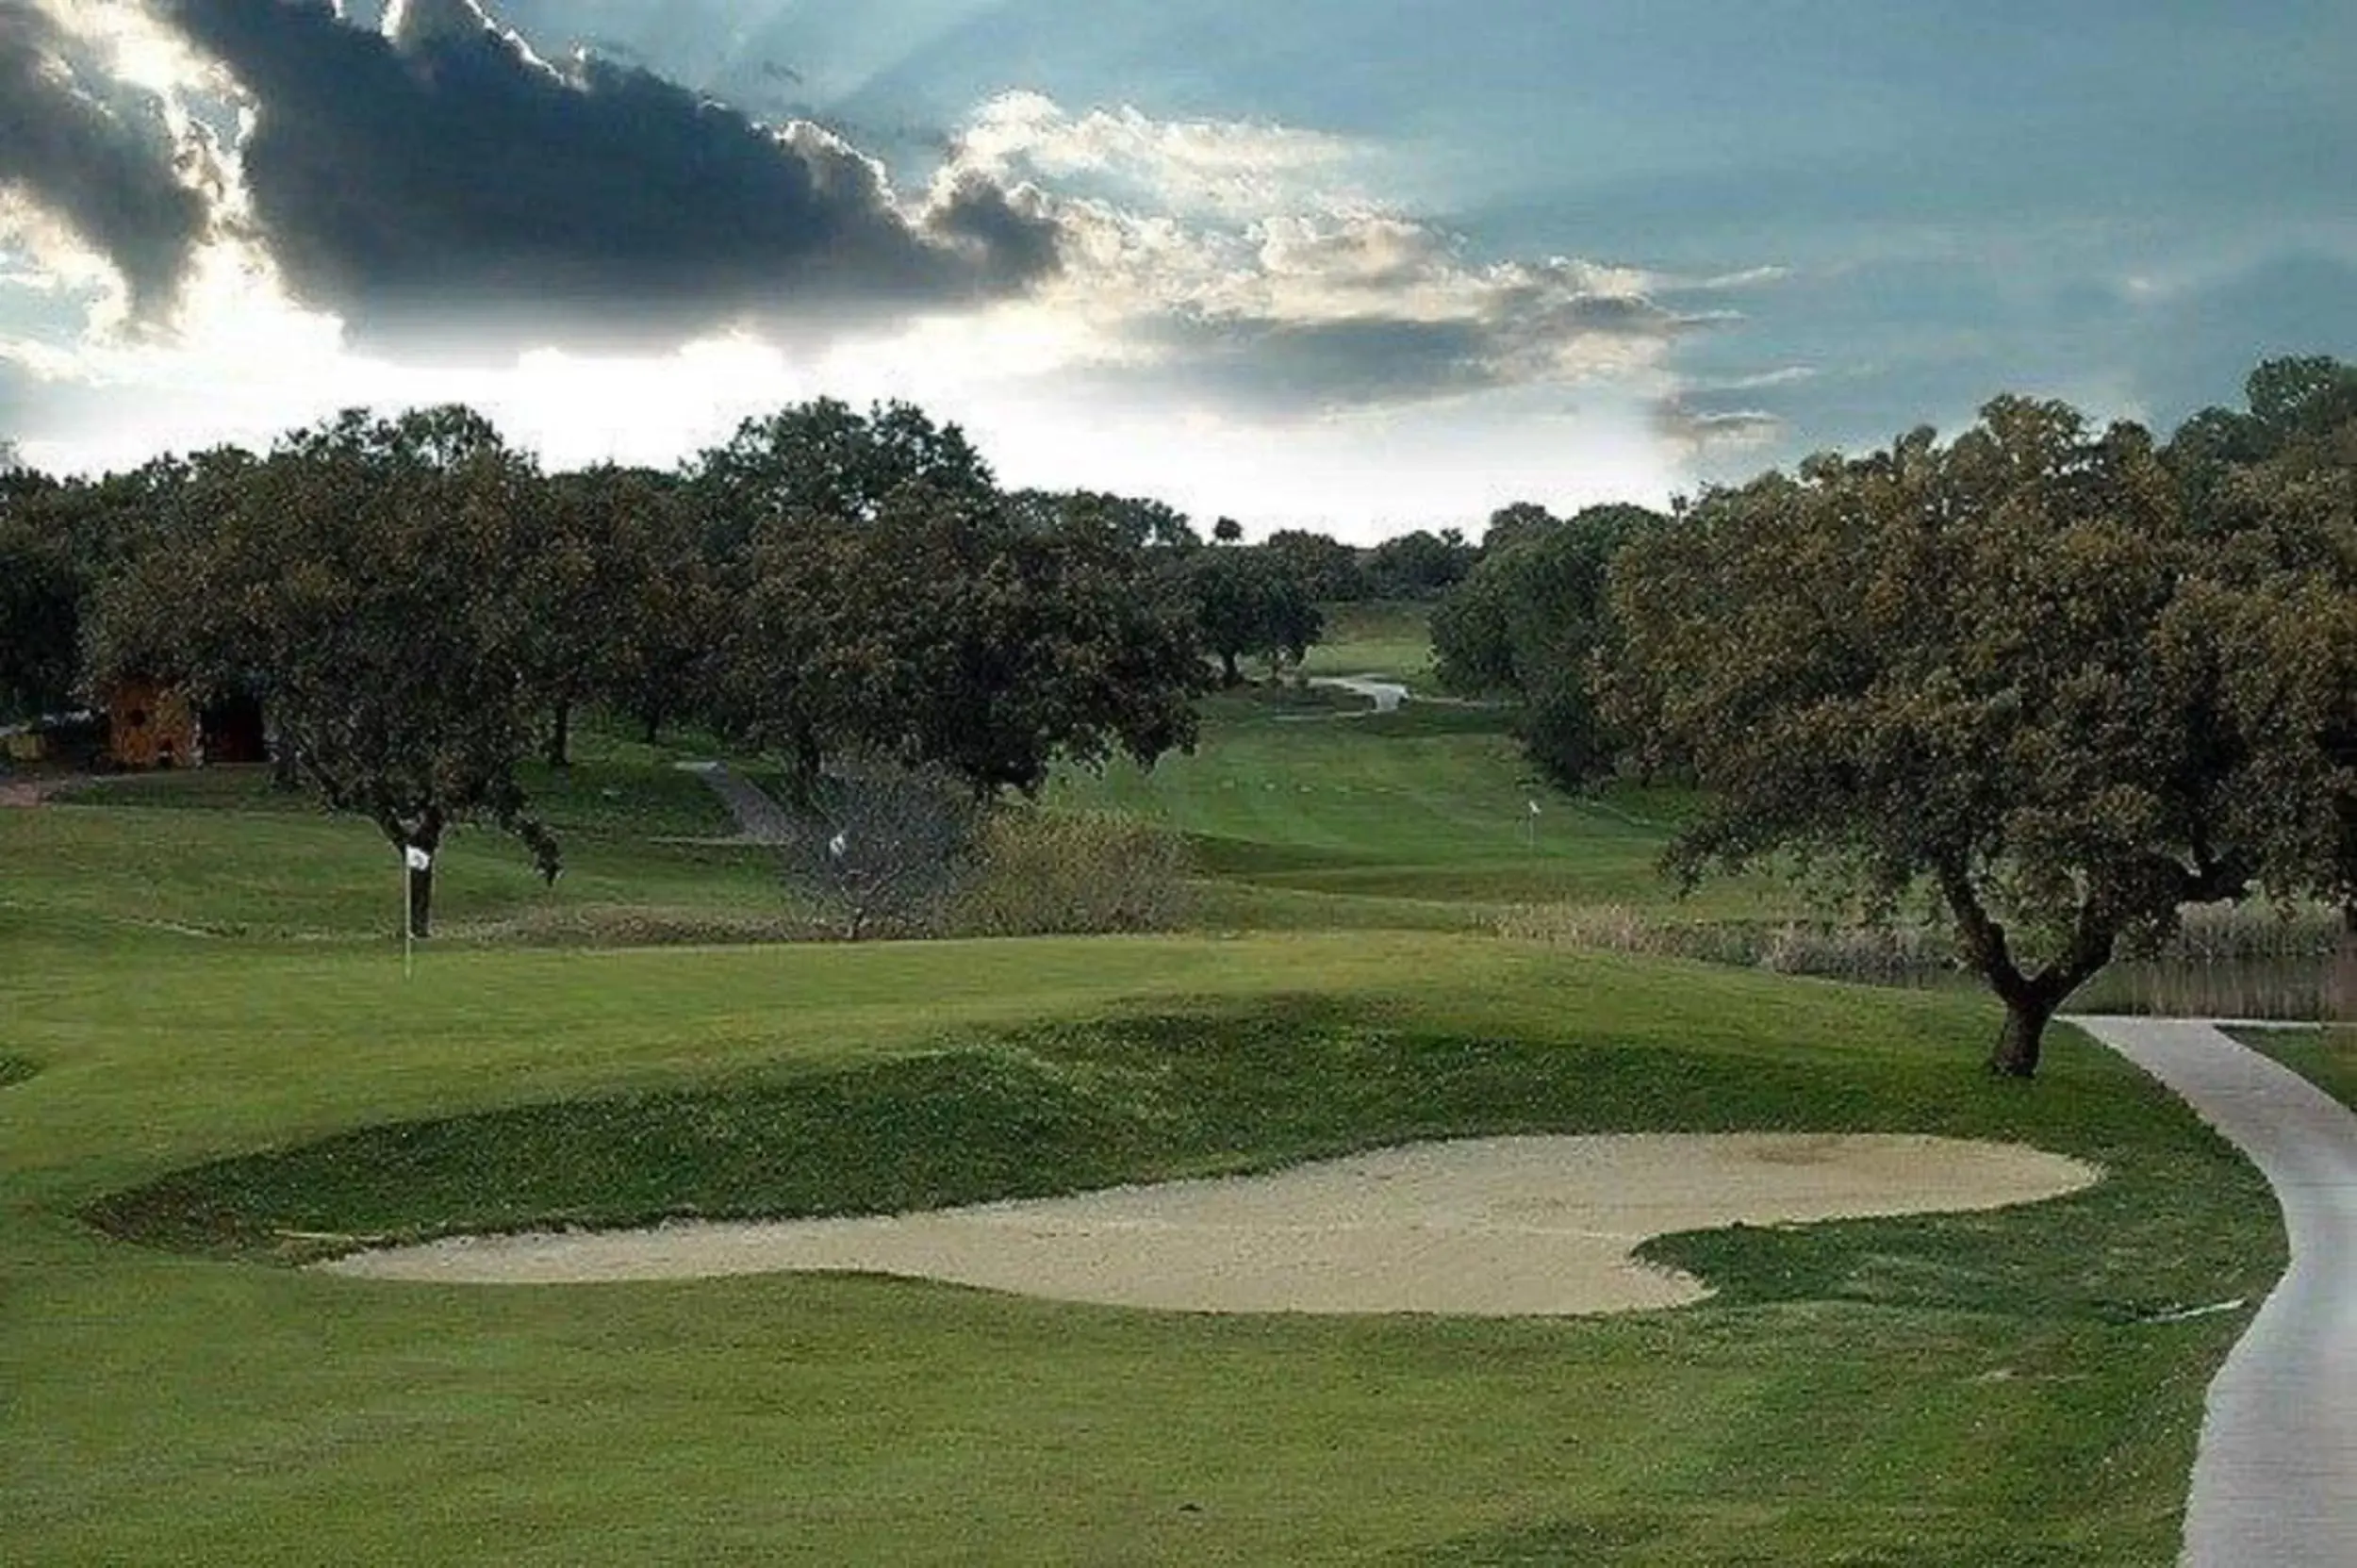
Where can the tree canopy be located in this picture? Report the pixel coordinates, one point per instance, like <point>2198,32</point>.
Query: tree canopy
<point>1991,669</point>
<point>1418,565</point>
<point>1247,602</point>
<point>910,612</point>
<point>361,580</point>
<point>2284,516</point>
<point>1527,624</point>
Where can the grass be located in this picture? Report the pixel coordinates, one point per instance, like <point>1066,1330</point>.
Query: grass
<point>1430,805</point>
<point>2325,1057</point>
<point>1971,1389</point>
<point>232,1072</point>
<point>1390,639</point>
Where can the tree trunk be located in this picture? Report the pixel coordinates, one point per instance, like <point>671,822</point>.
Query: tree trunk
<point>283,775</point>
<point>561,736</point>
<point>1229,675</point>
<point>2019,1040</point>
<point>421,904</point>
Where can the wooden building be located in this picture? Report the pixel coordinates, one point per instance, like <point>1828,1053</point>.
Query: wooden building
<point>150,725</point>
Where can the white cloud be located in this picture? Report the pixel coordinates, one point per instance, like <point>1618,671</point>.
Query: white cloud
<point>1238,325</point>
<point>1234,169</point>
<point>1254,256</point>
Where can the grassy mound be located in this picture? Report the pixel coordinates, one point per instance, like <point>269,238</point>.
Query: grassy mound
<point>1071,1107</point>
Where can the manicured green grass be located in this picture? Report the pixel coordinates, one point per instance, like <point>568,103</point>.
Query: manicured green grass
<point>2325,1057</point>
<point>207,1041</point>
<point>1387,637</point>
<point>1432,804</point>
<point>178,875</point>
<point>1973,1389</point>
<point>614,789</point>
<point>218,854</point>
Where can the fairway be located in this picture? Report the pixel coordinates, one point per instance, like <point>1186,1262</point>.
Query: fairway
<point>212,1070</point>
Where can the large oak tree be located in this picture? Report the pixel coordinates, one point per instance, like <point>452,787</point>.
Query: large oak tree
<point>1985,669</point>
<point>361,581</point>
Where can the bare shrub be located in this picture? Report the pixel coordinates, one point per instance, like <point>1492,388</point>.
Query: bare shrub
<point>879,848</point>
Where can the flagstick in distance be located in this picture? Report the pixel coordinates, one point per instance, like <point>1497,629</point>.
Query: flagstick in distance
<point>413,860</point>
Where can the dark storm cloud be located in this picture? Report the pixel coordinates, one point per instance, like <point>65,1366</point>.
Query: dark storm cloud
<point>96,156</point>
<point>459,180</point>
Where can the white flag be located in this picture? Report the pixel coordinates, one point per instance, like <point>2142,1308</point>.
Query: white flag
<point>1534,807</point>
<point>419,859</point>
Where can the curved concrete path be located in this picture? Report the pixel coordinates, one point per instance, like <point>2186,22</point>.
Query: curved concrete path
<point>759,819</point>
<point>2275,1478</point>
<point>1386,695</point>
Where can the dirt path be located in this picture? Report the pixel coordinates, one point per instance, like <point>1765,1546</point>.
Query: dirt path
<point>1490,1227</point>
<point>2275,1479</point>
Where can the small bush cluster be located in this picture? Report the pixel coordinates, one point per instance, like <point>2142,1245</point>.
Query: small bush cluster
<point>1038,873</point>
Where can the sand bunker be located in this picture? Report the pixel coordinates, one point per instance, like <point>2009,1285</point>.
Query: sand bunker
<point>1490,1227</point>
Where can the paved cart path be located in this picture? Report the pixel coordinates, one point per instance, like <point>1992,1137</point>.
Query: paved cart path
<point>1386,695</point>
<point>759,819</point>
<point>2275,1480</point>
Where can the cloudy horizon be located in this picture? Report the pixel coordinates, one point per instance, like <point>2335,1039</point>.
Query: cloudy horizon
<point>1360,267</point>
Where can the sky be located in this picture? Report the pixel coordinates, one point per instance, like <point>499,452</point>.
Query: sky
<point>1354,265</point>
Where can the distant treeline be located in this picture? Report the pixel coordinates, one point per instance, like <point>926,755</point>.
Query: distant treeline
<point>417,606</point>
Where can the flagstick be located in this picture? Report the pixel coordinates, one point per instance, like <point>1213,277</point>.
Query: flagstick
<point>408,917</point>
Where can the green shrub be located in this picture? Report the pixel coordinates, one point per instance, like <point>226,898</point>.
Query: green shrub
<point>1041,873</point>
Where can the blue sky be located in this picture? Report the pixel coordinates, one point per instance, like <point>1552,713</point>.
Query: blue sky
<point>1357,264</point>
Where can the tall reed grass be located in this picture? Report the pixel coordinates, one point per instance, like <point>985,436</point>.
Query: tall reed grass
<point>2250,961</point>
